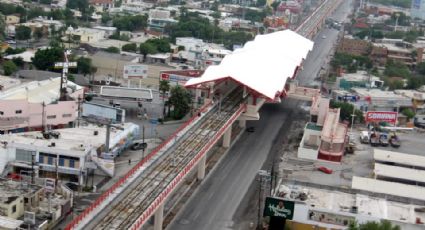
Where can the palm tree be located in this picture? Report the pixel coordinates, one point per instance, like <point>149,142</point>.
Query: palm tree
<point>164,87</point>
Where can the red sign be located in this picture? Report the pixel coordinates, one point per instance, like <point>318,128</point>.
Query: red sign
<point>390,117</point>
<point>165,77</point>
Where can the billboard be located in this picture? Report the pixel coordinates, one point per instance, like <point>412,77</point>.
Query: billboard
<point>276,207</point>
<point>175,79</point>
<point>103,112</point>
<point>377,116</point>
<point>135,71</point>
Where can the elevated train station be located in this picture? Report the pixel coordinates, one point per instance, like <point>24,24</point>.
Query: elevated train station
<point>237,88</point>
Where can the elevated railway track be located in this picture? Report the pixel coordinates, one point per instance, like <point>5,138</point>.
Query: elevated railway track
<point>132,201</point>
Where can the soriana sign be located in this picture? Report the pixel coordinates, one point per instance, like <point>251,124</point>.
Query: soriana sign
<point>390,117</point>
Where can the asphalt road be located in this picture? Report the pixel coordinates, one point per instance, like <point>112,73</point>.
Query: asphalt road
<point>216,202</point>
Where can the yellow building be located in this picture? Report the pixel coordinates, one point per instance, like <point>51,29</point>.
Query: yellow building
<point>12,19</point>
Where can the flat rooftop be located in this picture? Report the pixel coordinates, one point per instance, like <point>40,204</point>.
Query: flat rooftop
<point>10,188</point>
<point>367,206</point>
<point>46,91</point>
<point>398,158</point>
<point>124,92</point>
<point>8,82</point>
<point>390,188</point>
<point>72,141</point>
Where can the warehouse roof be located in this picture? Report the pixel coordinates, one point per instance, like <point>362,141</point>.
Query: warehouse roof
<point>263,65</point>
<point>390,188</point>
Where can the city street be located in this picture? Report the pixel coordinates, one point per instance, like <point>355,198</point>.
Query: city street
<point>215,204</point>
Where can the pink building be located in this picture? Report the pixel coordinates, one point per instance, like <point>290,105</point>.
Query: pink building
<point>324,137</point>
<point>32,105</point>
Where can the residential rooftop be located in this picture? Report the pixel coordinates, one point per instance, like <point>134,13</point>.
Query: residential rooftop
<point>72,141</point>
<point>46,91</point>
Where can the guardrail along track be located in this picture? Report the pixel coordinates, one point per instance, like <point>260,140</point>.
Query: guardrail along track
<point>156,179</point>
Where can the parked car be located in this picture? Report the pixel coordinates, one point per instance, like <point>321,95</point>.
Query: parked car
<point>394,140</point>
<point>138,145</point>
<point>364,137</point>
<point>374,139</point>
<point>383,139</point>
<point>419,121</point>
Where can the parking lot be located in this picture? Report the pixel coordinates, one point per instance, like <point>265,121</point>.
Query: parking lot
<point>358,164</point>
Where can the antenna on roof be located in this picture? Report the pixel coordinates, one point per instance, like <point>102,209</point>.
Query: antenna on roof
<point>64,77</point>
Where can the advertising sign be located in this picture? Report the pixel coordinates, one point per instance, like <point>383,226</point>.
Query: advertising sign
<point>176,79</point>
<point>275,207</point>
<point>49,185</point>
<point>135,71</point>
<point>390,117</point>
<point>100,111</point>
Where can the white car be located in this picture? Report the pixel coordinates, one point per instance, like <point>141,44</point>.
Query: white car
<point>11,42</point>
<point>323,37</point>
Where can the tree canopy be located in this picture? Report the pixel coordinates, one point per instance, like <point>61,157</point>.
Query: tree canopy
<point>130,23</point>
<point>84,66</point>
<point>347,110</point>
<point>180,100</point>
<point>44,59</point>
<point>193,25</point>
<point>9,68</point>
<point>23,33</point>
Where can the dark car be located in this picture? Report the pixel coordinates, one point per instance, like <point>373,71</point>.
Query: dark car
<point>139,146</point>
<point>250,129</point>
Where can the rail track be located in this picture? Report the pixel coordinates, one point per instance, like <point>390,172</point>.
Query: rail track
<point>152,183</point>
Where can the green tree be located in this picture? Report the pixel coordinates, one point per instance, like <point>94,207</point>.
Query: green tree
<point>112,49</point>
<point>18,61</point>
<point>84,66</point>
<point>2,27</point>
<point>420,68</point>
<point>372,225</point>
<point>130,23</point>
<point>132,47</point>
<point>9,68</point>
<point>408,113</point>
<point>164,87</point>
<point>162,45</point>
<point>396,69</point>
<point>147,48</point>
<point>180,100</point>
<point>346,110</point>
<point>44,59</point>
<point>23,33</point>
<point>38,33</point>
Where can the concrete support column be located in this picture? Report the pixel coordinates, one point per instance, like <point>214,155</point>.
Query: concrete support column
<point>201,167</point>
<point>159,218</point>
<point>242,123</point>
<point>227,137</point>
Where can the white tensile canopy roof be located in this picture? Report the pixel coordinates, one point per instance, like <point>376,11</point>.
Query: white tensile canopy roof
<point>263,64</point>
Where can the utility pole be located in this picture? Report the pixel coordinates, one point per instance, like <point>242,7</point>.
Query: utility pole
<point>259,203</point>
<point>32,167</point>
<point>352,119</point>
<point>143,141</point>
<point>64,77</point>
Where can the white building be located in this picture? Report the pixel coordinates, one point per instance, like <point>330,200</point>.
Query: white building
<point>86,35</point>
<point>70,152</point>
<point>200,53</point>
